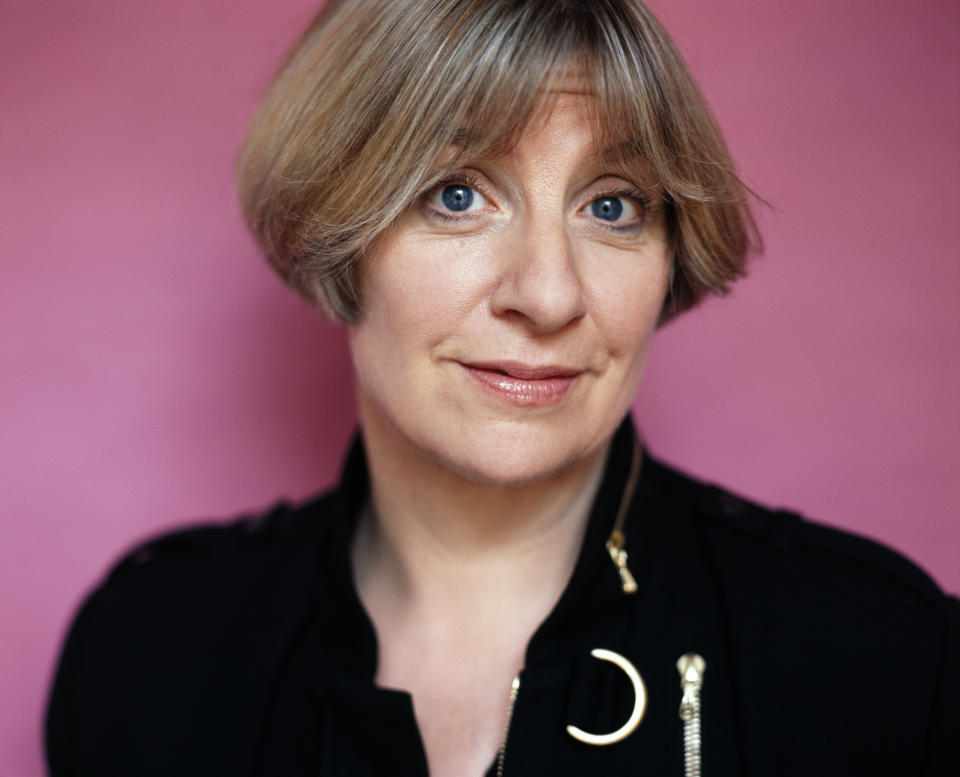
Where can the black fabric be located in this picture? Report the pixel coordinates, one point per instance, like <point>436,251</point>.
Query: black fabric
<point>244,650</point>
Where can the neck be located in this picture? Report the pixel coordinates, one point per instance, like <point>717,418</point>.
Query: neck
<point>431,538</point>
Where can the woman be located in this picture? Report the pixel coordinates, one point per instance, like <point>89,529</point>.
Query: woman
<point>502,201</point>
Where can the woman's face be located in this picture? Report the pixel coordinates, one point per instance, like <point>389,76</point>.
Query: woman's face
<point>507,317</point>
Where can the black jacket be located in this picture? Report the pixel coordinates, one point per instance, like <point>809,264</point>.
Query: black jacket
<point>244,650</point>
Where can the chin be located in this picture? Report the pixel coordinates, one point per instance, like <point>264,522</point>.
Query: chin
<point>508,454</point>
<point>474,444</point>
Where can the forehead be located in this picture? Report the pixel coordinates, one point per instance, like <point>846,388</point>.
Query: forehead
<point>564,123</point>
<point>574,78</point>
<point>567,120</point>
<point>568,106</point>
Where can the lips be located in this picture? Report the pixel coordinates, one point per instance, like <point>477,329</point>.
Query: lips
<point>524,385</point>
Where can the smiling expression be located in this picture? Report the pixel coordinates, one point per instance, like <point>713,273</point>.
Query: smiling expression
<point>507,317</point>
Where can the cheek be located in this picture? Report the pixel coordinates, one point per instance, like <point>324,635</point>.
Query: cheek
<point>627,300</point>
<point>419,290</point>
<point>416,293</point>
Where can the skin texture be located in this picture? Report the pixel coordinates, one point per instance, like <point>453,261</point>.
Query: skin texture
<point>530,276</point>
<point>480,496</point>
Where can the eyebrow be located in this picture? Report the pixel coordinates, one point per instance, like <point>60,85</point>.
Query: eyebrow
<point>621,149</point>
<point>621,153</point>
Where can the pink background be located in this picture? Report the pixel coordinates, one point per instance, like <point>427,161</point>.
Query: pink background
<point>153,371</point>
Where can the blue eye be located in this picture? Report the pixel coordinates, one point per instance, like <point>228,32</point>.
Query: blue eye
<point>607,208</point>
<point>620,210</point>
<point>457,197</point>
<point>456,200</point>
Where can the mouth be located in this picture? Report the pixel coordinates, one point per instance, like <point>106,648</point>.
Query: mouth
<point>524,385</point>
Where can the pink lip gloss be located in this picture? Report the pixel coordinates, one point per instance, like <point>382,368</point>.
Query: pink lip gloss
<point>524,392</point>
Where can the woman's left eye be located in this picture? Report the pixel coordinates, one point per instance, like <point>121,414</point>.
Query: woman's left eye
<point>456,198</point>
<point>616,210</point>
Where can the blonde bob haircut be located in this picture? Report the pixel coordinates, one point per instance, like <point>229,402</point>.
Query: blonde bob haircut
<point>382,99</point>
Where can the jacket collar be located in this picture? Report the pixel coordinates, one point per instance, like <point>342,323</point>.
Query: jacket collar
<point>592,596</point>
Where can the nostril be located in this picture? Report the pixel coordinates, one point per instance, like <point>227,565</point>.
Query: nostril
<point>540,287</point>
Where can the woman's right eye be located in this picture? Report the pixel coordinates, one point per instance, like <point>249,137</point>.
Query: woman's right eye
<point>452,198</point>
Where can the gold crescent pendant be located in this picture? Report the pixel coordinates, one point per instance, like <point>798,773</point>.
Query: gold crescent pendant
<point>639,703</point>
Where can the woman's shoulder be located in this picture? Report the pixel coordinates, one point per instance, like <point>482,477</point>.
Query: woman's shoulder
<point>212,569</point>
<point>823,593</point>
<point>789,547</point>
<point>216,561</point>
<point>184,629</point>
<point>822,622</point>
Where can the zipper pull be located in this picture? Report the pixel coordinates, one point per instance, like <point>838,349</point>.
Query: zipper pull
<point>619,558</point>
<point>691,667</point>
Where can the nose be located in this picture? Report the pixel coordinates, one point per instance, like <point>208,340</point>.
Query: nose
<point>539,284</point>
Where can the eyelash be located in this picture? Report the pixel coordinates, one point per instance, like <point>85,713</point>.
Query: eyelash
<point>642,203</point>
<point>467,179</point>
<point>464,179</point>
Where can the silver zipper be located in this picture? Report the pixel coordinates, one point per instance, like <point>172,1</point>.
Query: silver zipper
<point>617,538</point>
<point>502,752</point>
<point>691,667</point>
